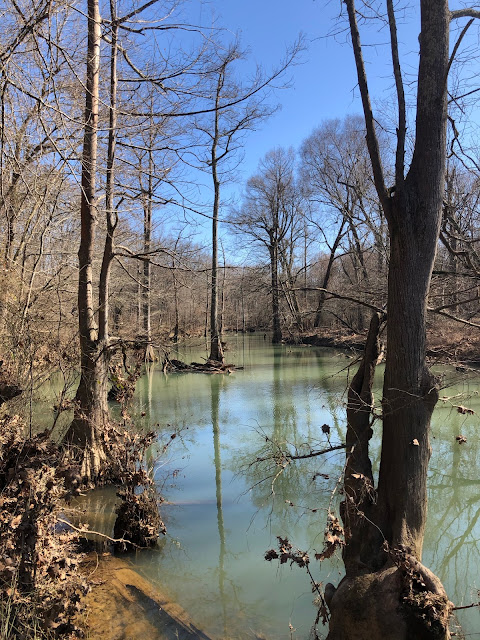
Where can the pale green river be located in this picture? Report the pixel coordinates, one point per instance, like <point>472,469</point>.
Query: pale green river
<point>224,511</point>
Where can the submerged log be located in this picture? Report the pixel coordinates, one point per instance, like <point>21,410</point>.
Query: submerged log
<point>122,604</point>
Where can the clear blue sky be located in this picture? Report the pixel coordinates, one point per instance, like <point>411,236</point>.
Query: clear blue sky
<point>321,87</point>
<point>324,86</point>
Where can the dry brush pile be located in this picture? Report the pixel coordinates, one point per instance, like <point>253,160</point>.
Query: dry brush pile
<point>40,587</point>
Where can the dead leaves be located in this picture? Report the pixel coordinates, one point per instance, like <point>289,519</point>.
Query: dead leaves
<point>286,552</point>
<point>38,573</point>
<point>333,538</point>
<point>465,410</point>
<point>138,520</point>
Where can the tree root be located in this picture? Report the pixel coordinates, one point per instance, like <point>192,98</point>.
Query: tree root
<point>402,602</point>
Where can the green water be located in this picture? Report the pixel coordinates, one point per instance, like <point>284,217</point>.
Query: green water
<point>225,510</point>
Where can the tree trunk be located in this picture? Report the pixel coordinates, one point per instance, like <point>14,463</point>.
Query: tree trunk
<point>326,277</point>
<point>387,592</point>
<point>175,298</point>
<point>91,410</point>
<point>289,291</point>
<point>356,509</point>
<point>277,329</point>
<point>409,393</point>
<point>147,267</point>
<point>216,351</point>
<point>111,219</point>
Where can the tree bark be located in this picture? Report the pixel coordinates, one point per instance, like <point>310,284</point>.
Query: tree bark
<point>356,509</point>
<point>409,393</point>
<point>277,329</point>
<point>91,409</point>
<point>384,576</point>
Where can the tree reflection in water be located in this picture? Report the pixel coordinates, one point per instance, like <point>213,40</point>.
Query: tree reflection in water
<point>224,515</point>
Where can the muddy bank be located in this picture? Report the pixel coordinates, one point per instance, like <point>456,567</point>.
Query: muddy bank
<point>356,343</point>
<point>456,348</point>
<point>122,605</point>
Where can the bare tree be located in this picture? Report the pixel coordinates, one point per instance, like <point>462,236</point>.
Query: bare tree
<point>237,108</point>
<point>91,410</point>
<point>388,524</point>
<point>336,178</point>
<point>266,216</point>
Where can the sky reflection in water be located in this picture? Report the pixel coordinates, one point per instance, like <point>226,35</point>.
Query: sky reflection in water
<point>222,515</point>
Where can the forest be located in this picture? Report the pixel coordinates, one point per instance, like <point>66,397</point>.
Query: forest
<point>129,232</point>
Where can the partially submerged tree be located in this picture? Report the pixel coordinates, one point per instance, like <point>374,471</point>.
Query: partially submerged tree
<point>91,408</point>
<point>387,592</point>
<point>237,108</point>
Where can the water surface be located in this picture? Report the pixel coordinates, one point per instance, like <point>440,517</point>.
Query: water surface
<point>225,509</point>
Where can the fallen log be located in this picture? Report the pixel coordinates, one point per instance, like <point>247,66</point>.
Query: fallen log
<point>122,604</point>
<point>209,366</point>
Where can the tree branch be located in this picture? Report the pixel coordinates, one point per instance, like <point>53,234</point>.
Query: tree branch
<point>304,456</point>
<point>342,297</point>
<point>464,13</point>
<point>402,120</point>
<point>452,317</point>
<point>372,140</point>
<point>457,44</point>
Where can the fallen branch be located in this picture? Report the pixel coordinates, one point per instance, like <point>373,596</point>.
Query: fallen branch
<point>97,533</point>
<point>209,366</point>
<point>452,317</point>
<point>467,606</point>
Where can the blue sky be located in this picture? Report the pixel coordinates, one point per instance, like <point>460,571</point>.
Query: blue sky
<point>323,86</point>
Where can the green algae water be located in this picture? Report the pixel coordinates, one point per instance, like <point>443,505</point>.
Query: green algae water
<point>227,502</point>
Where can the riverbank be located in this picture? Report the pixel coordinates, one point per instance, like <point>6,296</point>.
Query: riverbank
<point>448,345</point>
<point>212,563</point>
